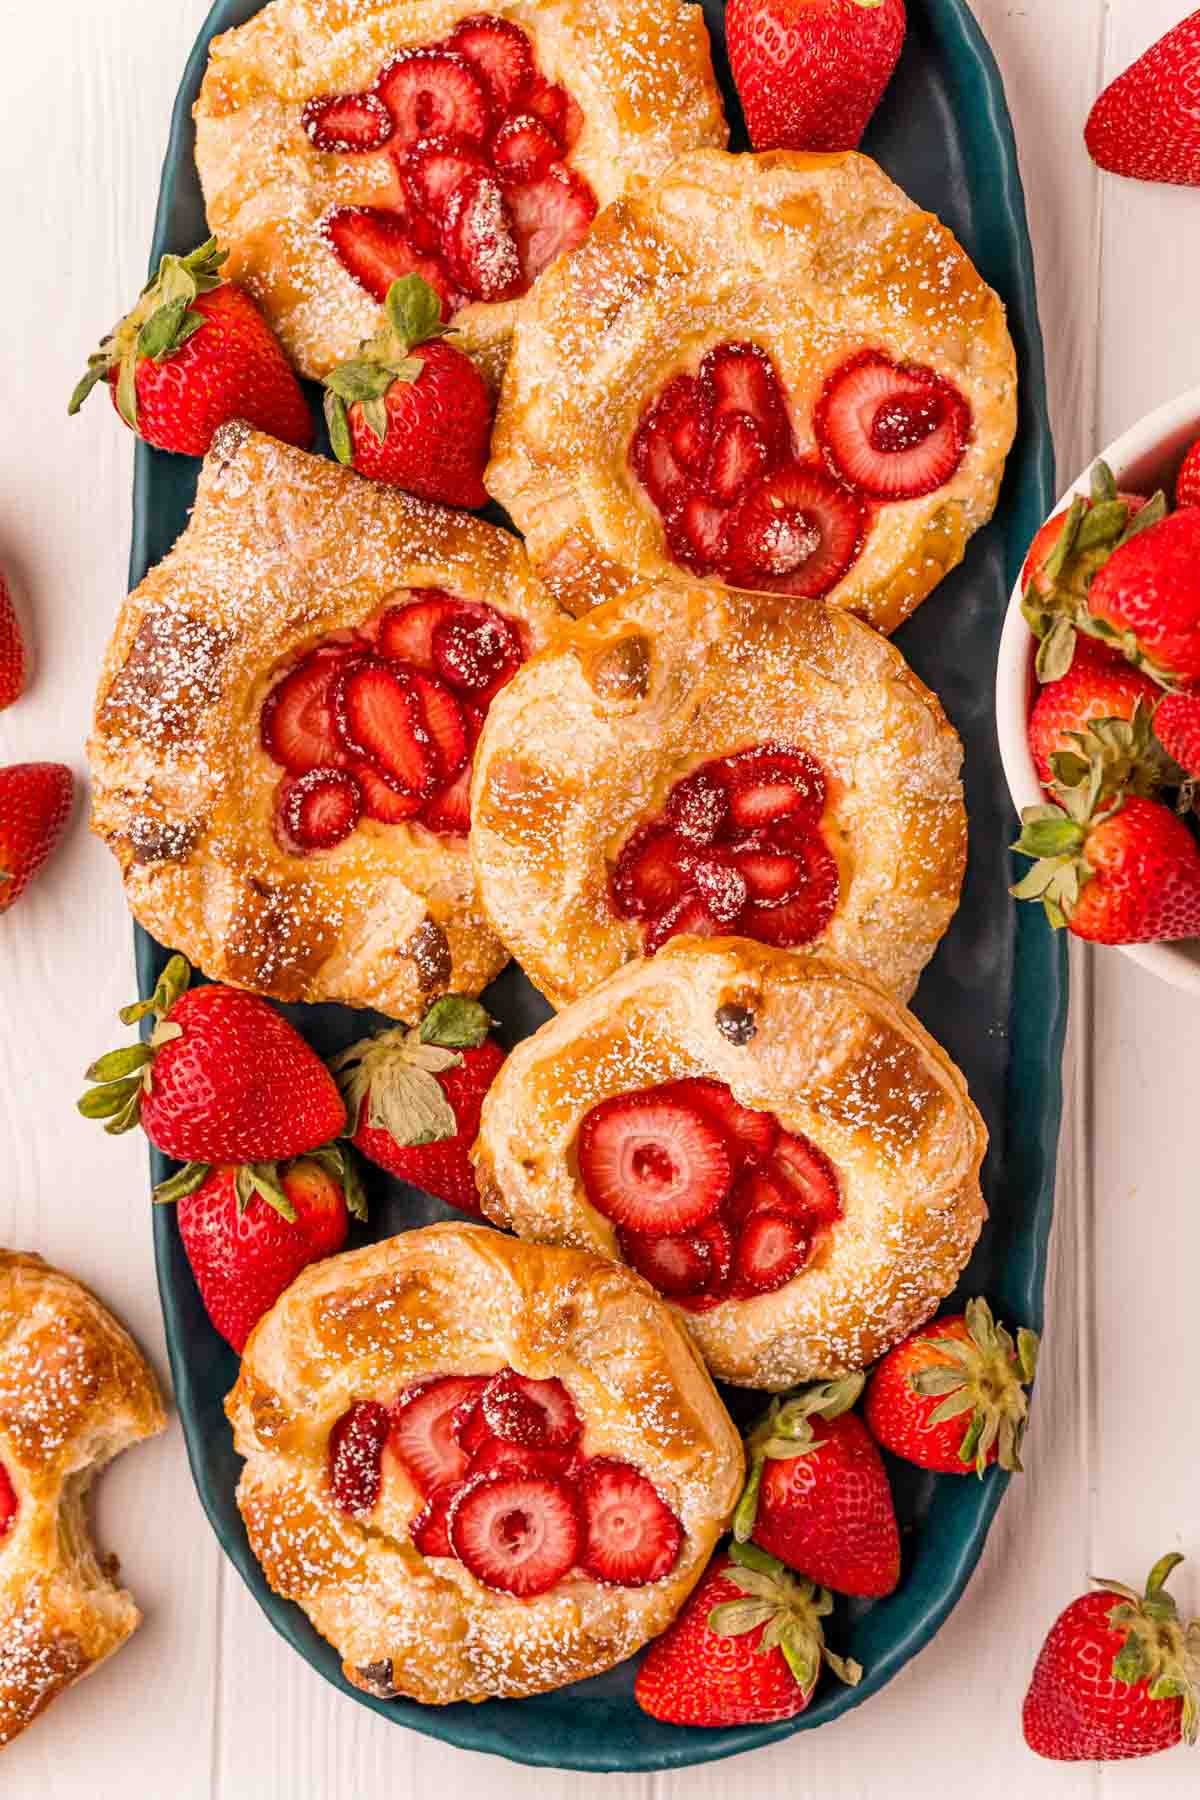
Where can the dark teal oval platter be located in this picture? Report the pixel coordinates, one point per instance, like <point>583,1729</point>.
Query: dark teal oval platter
<point>995,994</point>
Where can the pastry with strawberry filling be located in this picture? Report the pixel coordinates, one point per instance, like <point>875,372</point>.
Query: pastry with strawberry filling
<point>286,728</point>
<point>796,382</point>
<point>774,1143</point>
<point>484,1468</point>
<point>693,761</point>
<point>470,147</point>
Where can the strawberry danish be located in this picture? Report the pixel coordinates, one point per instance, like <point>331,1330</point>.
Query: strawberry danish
<point>286,727</point>
<point>698,761</point>
<point>482,1467</point>
<point>770,1139</point>
<point>772,371</point>
<point>340,147</point>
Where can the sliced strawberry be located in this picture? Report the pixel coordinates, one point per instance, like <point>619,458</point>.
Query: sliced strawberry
<point>347,122</point>
<point>479,240</point>
<point>538,1414</point>
<point>739,453</point>
<point>631,1536</point>
<point>469,1425</point>
<point>448,811</point>
<point>476,652</point>
<point>797,531</point>
<point>689,1263</point>
<point>430,1530</point>
<point>319,809</point>
<point>653,1163</point>
<point>760,1188</point>
<point>720,887</point>
<point>517,1533</point>
<point>376,248</point>
<point>770,875</point>
<point>557,111</point>
<point>751,1133</point>
<point>435,167</point>
<point>406,632</point>
<point>688,917</point>
<point>697,806</point>
<point>443,721</point>
<point>496,1457</point>
<point>434,93</point>
<point>650,874</point>
<point>741,380</point>
<point>805,915</point>
<point>771,1249</point>
<point>523,148</point>
<point>355,1456</point>
<point>474,719</point>
<point>550,215</point>
<point>673,437</point>
<point>297,725</point>
<point>422,1432</point>
<point>384,799</point>
<point>809,1177</point>
<point>695,533</point>
<point>500,54</point>
<point>379,716</point>
<point>893,431</point>
<point>771,782</point>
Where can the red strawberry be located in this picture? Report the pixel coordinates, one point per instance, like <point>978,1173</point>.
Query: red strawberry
<point>8,1502</point>
<point>223,1078</point>
<point>500,54</point>
<point>809,73</point>
<point>893,431</point>
<point>1177,728</point>
<point>1147,599</point>
<point>688,917</point>
<point>653,1163</point>
<point>1187,482</point>
<point>538,1414</point>
<point>523,148</point>
<point>318,810</point>
<point>443,723</point>
<point>406,632</point>
<point>355,1457</point>
<point>631,1536</point>
<point>410,409</point>
<point>414,1097</point>
<point>35,804</point>
<point>517,1533</point>
<point>248,1231</point>
<point>1144,123</point>
<point>738,455</point>
<point>379,248</point>
<point>1123,872</point>
<point>809,1179</point>
<point>476,651</point>
<point>479,243</point>
<point>347,122</point>
<point>767,784</point>
<point>1118,1676</point>
<point>383,797</point>
<point>297,725</point>
<point>194,353</point>
<point>798,531</point>
<point>952,1396</point>
<point>378,715</point>
<point>424,1434</point>
<point>435,167</point>
<point>740,381</point>
<point>747,1648</point>
<point>691,1263</point>
<point>771,1249</point>
<point>751,1134</point>
<point>697,806</point>
<point>805,914</point>
<point>1094,688</point>
<point>759,1189</point>
<point>651,872</point>
<point>551,213</point>
<point>818,1496</point>
<point>449,810</point>
<point>497,1457</point>
<point>430,1530</point>
<point>434,93</point>
<point>555,109</point>
<point>12,650</point>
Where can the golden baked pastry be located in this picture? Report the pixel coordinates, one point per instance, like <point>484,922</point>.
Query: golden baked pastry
<point>453,1404</point>
<point>774,370</point>
<point>772,1140</point>
<point>74,1391</point>
<point>285,724</point>
<point>695,759</point>
<point>342,143</point>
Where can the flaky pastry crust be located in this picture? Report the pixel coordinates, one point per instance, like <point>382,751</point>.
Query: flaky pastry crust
<point>641,70</point>
<point>281,549</point>
<point>591,735</point>
<point>812,258</point>
<point>74,1391</point>
<point>834,1058</point>
<point>463,1299</point>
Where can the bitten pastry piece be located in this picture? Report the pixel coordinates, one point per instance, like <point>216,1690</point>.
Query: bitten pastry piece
<point>774,371</point>
<point>74,1390</point>
<point>776,1144</point>
<point>285,726</point>
<point>691,759</point>
<point>342,143</point>
<point>482,1467</point>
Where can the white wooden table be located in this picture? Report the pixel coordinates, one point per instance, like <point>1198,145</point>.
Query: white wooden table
<point>207,1703</point>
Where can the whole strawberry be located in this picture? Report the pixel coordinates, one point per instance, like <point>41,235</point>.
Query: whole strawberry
<point>194,353</point>
<point>223,1078</point>
<point>249,1230</point>
<point>810,73</point>
<point>952,1396</point>
<point>410,409</point>
<point>1101,707</point>
<point>12,650</point>
<point>413,1098</point>
<point>35,804</point>
<point>1123,871</point>
<point>747,1648</point>
<point>1146,599</point>
<point>1118,1676</point>
<point>1144,123</point>
<point>1177,728</point>
<point>817,1496</point>
<point>1187,482</point>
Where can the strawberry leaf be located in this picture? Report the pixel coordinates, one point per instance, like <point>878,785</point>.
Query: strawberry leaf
<point>456,1022</point>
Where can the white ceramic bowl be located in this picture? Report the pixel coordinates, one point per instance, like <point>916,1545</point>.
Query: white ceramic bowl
<point>1146,457</point>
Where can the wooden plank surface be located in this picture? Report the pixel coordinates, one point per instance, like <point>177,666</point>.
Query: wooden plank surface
<point>207,1701</point>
